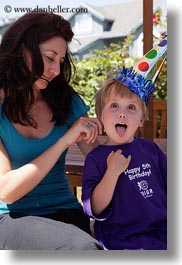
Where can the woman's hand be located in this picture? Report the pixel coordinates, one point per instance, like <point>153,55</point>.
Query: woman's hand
<point>84,129</point>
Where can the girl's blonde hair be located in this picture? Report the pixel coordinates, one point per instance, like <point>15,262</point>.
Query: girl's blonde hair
<point>117,88</point>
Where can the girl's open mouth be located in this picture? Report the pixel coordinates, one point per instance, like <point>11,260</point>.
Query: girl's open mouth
<point>121,129</point>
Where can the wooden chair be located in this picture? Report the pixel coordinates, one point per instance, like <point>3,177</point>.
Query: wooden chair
<point>75,181</point>
<point>74,166</point>
<point>160,119</point>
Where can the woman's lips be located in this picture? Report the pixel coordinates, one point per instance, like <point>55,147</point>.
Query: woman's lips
<point>45,79</point>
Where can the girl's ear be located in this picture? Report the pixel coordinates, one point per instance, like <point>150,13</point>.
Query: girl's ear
<point>100,118</point>
<point>141,122</point>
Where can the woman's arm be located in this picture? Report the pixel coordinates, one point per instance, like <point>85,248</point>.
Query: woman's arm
<point>15,183</point>
<point>96,126</point>
<point>103,192</point>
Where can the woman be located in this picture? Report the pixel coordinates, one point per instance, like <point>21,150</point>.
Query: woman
<point>40,117</point>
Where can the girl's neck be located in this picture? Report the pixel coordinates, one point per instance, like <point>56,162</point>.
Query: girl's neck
<point>111,142</point>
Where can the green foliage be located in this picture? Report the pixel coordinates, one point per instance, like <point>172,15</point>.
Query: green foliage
<point>99,66</point>
<point>91,73</point>
<point>102,64</point>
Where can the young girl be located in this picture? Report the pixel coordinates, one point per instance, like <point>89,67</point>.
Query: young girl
<point>124,180</point>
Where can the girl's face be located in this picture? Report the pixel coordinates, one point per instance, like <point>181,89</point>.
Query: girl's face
<point>53,53</point>
<point>121,117</point>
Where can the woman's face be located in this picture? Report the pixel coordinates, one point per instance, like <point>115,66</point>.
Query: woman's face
<point>53,53</point>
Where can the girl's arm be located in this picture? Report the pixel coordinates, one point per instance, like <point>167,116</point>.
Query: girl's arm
<point>103,192</point>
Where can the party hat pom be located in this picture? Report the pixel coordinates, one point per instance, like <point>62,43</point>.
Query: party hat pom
<point>141,77</point>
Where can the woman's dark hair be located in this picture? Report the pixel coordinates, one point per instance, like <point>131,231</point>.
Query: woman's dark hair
<point>16,78</point>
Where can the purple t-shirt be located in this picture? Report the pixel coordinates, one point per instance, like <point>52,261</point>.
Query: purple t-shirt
<point>136,218</point>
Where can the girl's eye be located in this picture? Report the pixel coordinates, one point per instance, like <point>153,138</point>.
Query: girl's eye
<point>114,105</point>
<point>132,107</point>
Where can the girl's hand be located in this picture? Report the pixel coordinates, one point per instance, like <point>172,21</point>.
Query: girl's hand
<point>117,163</point>
<point>84,129</point>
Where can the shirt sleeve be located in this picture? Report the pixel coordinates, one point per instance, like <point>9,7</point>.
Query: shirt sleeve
<point>78,109</point>
<point>91,177</point>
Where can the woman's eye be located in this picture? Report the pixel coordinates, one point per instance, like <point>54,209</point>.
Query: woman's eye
<point>50,58</point>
